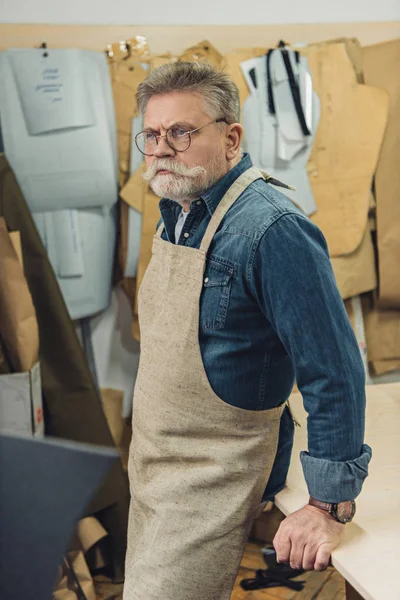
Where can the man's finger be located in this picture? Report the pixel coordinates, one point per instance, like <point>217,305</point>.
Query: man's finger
<point>296,555</point>
<point>309,557</point>
<point>282,547</point>
<point>322,558</point>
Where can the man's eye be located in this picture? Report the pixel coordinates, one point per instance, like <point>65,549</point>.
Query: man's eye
<point>177,133</point>
<point>149,136</point>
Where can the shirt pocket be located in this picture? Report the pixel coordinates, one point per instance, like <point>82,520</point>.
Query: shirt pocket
<point>214,301</point>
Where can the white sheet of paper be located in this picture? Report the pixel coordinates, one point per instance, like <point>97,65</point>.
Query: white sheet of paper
<point>21,403</point>
<point>74,168</point>
<point>15,408</point>
<point>90,294</point>
<point>135,218</point>
<point>53,90</point>
<point>67,232</point>
<point>84,276</point>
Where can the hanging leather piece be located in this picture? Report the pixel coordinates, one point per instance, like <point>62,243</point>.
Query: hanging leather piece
<point>72,408</point>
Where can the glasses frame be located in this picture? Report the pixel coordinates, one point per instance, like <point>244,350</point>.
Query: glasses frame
<point>165,135</point>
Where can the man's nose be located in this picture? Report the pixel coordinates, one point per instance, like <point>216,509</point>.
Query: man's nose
<point>163,149</point>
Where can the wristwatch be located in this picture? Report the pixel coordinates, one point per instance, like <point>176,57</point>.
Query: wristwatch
<point>343,512</point>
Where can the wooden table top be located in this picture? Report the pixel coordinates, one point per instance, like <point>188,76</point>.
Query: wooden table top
<point>369,557</point>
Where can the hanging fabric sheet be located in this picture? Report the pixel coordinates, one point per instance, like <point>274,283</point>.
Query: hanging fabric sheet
<point>280,118</point>
<point>60,138</point>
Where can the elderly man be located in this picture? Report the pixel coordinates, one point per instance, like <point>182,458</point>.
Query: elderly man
<point>238,301</point>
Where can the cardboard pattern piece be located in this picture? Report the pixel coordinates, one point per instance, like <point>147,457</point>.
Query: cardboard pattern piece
<point>204,51</point>
<point>381,68</point>
<point>128,64</point>
<point>382,334</point>
<point>19,328</point>
<point>355,273</point>
<point>382,320</point>
<point>382,329</point>
<point>346,148</point>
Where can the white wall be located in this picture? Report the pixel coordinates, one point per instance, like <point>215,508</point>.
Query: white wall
<point>191,12</point>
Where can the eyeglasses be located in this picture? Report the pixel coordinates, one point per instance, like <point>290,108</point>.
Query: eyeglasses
<point>178,138</point>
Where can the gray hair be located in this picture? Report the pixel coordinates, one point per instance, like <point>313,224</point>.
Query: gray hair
<point>220,93</point>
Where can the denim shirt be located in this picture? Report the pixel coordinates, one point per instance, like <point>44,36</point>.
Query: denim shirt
<point>270,314</point>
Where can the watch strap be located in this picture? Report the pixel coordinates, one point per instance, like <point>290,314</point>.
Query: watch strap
<point>327,506</point>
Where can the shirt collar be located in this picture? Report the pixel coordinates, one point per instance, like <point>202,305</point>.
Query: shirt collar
<point>214,194</point>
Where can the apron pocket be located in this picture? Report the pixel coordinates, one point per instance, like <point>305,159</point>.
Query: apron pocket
<point>214,300</point>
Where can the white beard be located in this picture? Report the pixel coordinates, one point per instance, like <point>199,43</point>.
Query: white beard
<point>178,187</point>
<point>184,183</point>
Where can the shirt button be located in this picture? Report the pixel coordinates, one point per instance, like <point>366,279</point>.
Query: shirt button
<point>186,235</point>
<point>206,280</point>
<point>199,202</point>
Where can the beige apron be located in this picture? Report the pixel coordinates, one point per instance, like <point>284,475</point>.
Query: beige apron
<point>198,467</point>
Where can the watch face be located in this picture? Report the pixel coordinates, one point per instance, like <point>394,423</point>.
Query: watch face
<point>345,511</point>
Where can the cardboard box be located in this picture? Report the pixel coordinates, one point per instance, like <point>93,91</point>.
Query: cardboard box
<point>21,409</point>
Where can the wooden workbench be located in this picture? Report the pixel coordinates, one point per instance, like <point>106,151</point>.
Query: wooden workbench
<point>369,557</point>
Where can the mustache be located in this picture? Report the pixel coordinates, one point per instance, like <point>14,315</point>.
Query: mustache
<point>165,164</point>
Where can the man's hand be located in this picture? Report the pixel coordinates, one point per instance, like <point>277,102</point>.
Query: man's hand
<point>307,538</point>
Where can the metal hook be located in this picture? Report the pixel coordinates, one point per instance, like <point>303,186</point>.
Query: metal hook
<point>128,48</point>
<point>43,46</point>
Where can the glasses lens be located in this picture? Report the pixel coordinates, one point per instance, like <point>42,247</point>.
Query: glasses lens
<point>146,142</point>
<point>178,138</point>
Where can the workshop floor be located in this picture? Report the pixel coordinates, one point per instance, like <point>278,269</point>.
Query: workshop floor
<point>328,585</point>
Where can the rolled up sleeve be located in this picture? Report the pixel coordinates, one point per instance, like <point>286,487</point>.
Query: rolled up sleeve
<point>295,284</point>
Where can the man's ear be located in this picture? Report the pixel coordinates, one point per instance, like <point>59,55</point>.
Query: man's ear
<point>234,135</point>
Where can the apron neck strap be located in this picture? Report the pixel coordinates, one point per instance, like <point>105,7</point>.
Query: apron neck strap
<point>233,193</point>
<point>160,229</point>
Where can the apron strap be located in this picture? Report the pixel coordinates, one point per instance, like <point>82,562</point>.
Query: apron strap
<point>227,201</point>
<point>160,230</point>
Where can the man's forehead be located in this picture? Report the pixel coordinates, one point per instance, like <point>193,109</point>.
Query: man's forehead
<point>176,107</point>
